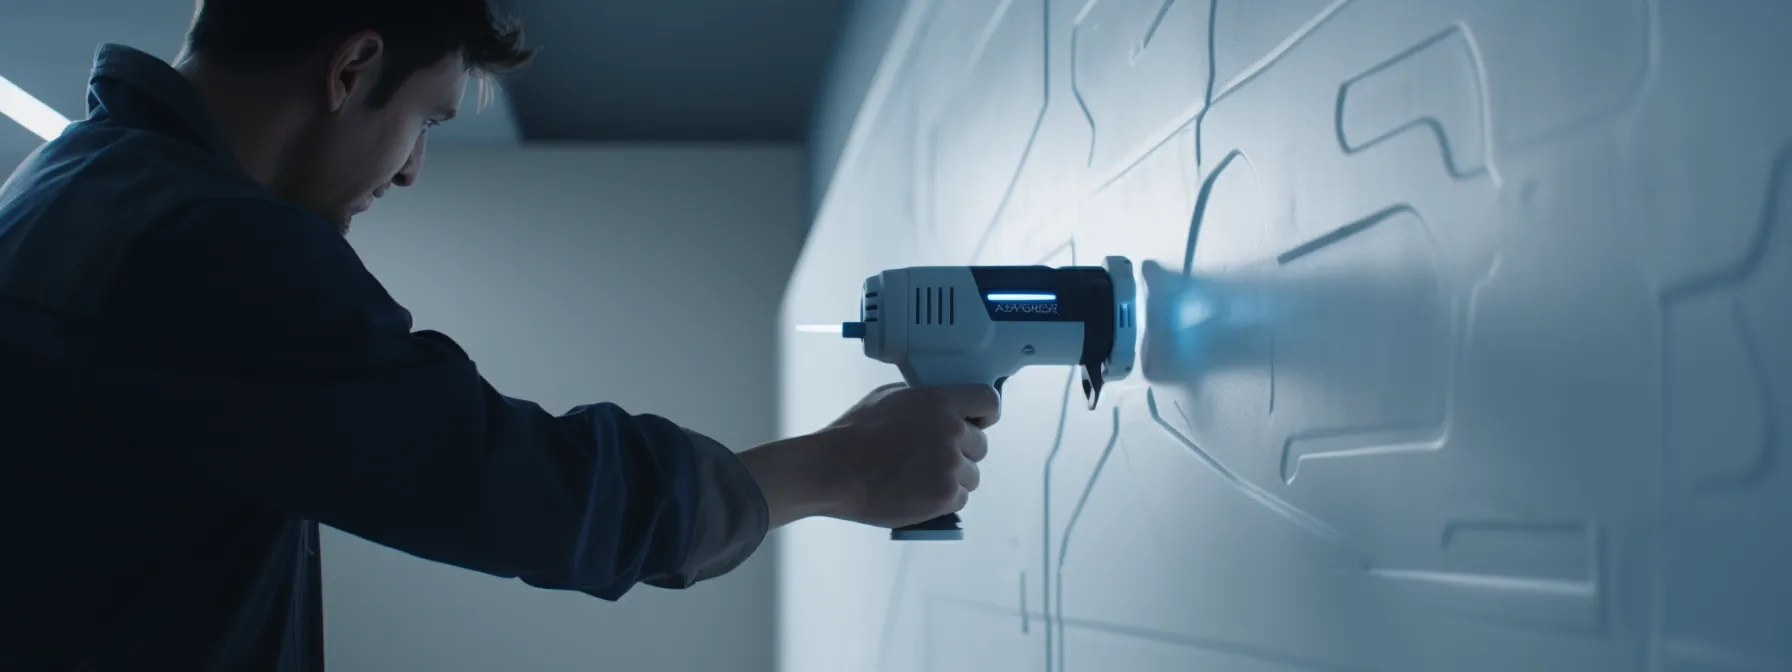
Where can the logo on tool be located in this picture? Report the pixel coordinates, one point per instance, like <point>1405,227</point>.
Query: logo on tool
<point>1024,303</point>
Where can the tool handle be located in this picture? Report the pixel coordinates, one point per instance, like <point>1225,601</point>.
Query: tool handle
<point>942,528</point>
<point>939,528</point>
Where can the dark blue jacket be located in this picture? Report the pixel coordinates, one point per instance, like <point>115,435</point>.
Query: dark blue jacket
<point>194,375</point>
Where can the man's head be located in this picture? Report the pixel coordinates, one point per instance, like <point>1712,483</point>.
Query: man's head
<point>360,82</point>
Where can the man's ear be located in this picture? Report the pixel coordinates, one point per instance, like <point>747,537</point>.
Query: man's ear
<point>354,69</point>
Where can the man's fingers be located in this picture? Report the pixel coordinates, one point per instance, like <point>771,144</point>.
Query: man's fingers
<point>974,444</point>
<point>980,404</point>
<point>959,501</point>
<point>969,476</point>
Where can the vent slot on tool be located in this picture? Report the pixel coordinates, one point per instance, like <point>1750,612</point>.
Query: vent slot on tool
<point>936,305</point>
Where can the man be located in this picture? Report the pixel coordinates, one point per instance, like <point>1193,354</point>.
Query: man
<point>196,370</point>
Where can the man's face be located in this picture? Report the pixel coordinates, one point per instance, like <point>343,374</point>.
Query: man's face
<point>353,152</point>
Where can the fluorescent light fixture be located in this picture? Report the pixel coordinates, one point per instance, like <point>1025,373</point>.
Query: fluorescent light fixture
<point>1022,296</point>
<point>30,112</point>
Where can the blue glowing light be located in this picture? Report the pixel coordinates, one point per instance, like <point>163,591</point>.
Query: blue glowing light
<point>1022,296</point>
<point>1193,310</point>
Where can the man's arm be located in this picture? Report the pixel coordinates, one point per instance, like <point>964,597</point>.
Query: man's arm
<point>248,342</point>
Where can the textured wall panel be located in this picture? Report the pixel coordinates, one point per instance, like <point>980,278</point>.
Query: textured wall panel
<point>1468,338</point>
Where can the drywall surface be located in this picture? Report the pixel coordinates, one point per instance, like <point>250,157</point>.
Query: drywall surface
<point>648,277</point>
<point>1468,338</point>
<point>852,71</point>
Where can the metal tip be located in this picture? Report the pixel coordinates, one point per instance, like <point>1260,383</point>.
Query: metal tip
<point>819,328</point>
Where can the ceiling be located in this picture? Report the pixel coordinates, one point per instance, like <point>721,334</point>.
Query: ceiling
<point>608,70</point>
<point>714,70</point>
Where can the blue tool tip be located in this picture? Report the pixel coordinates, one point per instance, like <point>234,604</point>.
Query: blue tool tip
<point>852,330</point>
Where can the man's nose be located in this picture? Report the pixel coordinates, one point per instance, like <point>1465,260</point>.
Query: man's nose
<point>413,165</point>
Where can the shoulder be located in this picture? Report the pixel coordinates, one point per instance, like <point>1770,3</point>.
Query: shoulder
<point>251,284</point>
<point>251,251</point>
<point>124,201</point>
<point>73,212</point>
<point>150,171</point>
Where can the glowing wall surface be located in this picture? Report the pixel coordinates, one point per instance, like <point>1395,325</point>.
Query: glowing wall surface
<point>1504,379</point>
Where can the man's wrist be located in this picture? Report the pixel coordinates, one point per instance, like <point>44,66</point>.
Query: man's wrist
<point>799,477</point>
<point>728,522</point>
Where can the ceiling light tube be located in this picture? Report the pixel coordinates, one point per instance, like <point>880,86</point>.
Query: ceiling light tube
<point>30,112</point>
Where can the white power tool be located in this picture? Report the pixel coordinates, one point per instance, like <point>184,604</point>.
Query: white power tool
<point>968,325</point>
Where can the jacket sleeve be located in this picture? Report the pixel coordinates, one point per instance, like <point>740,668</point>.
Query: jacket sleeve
<point>248,341</point>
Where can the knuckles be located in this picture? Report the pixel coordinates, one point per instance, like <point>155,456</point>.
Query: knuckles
<point>950,428</point>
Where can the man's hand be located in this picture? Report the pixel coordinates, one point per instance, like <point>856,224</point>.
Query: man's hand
<point>900,456</point>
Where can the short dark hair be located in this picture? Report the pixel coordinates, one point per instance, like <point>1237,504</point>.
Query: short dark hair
<point>417,34</point>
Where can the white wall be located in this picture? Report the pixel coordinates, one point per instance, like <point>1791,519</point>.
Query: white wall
<point>1518,397</point>
<point>863,41</point>
<point>649,277</point>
